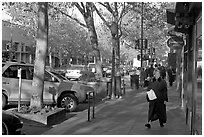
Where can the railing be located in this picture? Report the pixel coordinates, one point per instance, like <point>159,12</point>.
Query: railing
<point>91,95</point>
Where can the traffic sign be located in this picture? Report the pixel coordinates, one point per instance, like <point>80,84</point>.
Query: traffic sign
<point>171,32</point>
<point>175,42</point>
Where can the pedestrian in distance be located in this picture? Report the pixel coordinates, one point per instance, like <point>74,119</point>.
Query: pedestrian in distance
<point>171,75</point>
<point>157,106</point>
<point>163,72</point>
<point>151,71</point>
<point>143,77</point>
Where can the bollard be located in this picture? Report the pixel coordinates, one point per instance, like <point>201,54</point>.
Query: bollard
<point>131,80</point>
<point>93,105</point>
<point>123,86</point>
<point>108,88</point>
<point>137,81</point>
<point>89,105</point>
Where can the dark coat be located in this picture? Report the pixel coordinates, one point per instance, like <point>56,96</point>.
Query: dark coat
<point>170,74</point>
<point>151,72</point>
<point>157,108</point>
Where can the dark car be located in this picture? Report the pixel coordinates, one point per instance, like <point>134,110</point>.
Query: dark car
<point>11,124</point>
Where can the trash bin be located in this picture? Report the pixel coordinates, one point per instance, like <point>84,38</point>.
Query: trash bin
<point>123,87</point>
<point>134,81</point>
<point>109,84</point>
<point>137,81</point>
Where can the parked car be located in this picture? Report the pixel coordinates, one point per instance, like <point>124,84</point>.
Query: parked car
<point>74,72</point>
<point>11,124</point>
<point>67,94</point>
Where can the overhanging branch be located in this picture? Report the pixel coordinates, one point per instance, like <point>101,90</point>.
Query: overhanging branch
<point>101,16</point>
<point>62,12</point>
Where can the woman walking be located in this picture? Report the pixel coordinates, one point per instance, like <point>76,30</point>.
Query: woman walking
<point>157,107</point>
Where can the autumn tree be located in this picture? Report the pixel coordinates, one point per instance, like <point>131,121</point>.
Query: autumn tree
<point>86,10</point>
<point>117,10</point>
<point>155,26</point>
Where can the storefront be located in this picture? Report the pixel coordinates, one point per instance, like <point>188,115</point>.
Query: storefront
<point>187,19</point>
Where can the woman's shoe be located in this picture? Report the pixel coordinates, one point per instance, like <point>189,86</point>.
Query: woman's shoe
<point>161,124</point>
<point>148,125</point>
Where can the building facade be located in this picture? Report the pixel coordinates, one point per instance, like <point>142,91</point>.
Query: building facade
<point>186,18</point>
<point>18,45</point>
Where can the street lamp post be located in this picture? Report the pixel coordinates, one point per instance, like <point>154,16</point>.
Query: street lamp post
<point>142,37</point>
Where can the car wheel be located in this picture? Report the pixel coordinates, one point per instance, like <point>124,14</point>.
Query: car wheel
<point>3,100</point>
<point>68,101</point>
<point>4,129</point>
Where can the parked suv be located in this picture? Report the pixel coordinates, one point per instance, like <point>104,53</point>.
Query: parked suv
<point>68,93</point>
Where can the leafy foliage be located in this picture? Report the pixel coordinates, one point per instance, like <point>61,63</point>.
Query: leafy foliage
<point>64,34</point>
<point>68,35</point>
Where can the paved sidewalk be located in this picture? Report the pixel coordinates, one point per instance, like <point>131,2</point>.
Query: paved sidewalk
<point>125,116</point>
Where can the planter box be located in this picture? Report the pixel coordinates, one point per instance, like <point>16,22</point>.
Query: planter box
<point>49,118</point>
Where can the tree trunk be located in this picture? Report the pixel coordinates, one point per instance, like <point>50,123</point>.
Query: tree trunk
<point>40,56</point>
<point>117,65</point>
<point>116,78</point>
<point>113,88</point>
<point>94,42</point>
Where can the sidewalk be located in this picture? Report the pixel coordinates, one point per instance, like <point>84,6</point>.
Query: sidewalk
<point>125,116</point>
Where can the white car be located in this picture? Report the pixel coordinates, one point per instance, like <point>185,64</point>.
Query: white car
<point>74,72</point>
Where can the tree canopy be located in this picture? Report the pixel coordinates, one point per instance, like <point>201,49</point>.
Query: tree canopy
<point>68,34</point>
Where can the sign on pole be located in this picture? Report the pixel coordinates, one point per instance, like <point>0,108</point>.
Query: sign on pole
<point>175,42</point>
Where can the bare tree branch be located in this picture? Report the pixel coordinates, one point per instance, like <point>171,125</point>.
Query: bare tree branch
<point>101,16</point>
<point>122,12</point>
<point>116,9</point>
<point>62,12</point>
<point>79,8</point>
<point>120,20</point>
<point>83,7</point>
<point>107,6</point>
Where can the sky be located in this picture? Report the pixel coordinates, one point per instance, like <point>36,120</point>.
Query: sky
<point>5,16</point>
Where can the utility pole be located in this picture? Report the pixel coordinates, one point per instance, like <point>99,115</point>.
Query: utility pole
<point>142,37</point>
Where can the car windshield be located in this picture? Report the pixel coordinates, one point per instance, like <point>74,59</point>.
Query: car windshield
<point>59,76</point>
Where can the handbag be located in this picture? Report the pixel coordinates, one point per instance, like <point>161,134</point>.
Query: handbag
<point>151,95</point>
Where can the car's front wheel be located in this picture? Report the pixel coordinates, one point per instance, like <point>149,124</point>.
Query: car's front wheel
<point>68,101</point>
